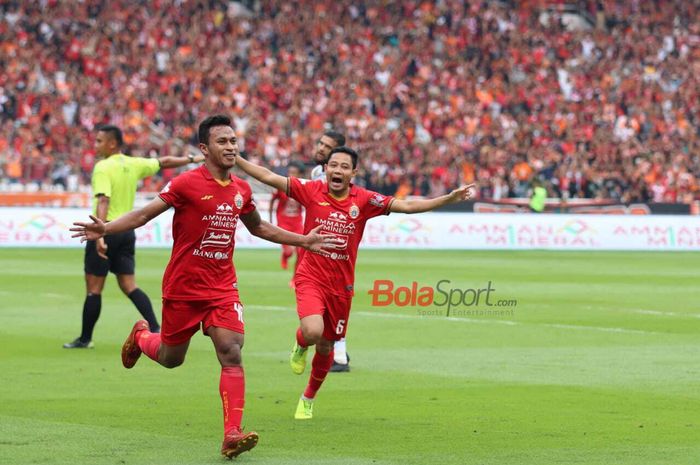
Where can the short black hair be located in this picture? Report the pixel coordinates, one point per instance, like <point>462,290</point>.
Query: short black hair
<point>336,136</point>
<point>210,122</point>
<point>297,165</point>
<point>347,150</point>
<point>113,131</point>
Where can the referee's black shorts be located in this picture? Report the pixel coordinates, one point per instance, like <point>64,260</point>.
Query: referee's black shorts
<point>120,253</point>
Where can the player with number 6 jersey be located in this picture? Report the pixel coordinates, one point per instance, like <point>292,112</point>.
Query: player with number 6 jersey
<point>325,279</point>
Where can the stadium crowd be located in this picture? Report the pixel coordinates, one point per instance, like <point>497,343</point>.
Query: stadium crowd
<point>433,93</point>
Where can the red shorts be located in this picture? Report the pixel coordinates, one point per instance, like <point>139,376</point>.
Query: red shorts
<point>335,309</point>
<point>183,318</point>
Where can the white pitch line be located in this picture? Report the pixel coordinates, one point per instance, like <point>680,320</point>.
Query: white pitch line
<point>599,328</point>
<point>659,313</point>
<point>398,316</point>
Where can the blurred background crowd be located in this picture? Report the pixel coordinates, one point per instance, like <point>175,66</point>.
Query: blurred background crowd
<point>599,100</point>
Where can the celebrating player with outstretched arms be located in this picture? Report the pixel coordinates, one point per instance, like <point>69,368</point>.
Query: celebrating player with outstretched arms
<point>324,279</point>
<point>199,285</point>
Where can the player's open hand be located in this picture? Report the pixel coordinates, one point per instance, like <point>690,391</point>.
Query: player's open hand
<point>315,241</point>
<point>462,193</point>
<point>89,231</point>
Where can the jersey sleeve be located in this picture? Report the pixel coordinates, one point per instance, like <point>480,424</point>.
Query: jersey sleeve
<point>100,181</point>
<point>249,204</point>
<point>146,167</point>
<point>301,190</point>
<point>377,204</point>
<point>172,193</point>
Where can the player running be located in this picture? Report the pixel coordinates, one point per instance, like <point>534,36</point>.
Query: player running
<point>199,285</point>
<point>327,142</point>
<point>324,280</point>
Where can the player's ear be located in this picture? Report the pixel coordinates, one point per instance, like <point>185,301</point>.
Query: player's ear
<point>204,149</point>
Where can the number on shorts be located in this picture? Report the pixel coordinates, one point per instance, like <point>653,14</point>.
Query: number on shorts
<point>339,327</point>
<point>238,308</point>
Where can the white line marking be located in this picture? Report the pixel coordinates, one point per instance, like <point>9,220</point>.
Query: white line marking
<point>658,313</point>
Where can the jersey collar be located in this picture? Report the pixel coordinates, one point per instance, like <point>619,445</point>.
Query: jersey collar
<point>207,174</point>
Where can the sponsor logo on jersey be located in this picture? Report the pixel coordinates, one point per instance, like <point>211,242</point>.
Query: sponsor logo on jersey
<point>207,254</point>
<point>341,240</point>
<point>324,204</point>
<point>238,200</point>
<point>338,216</point>
<point>354,211</point>
<point>216,238</point>
<point>207,197</point>
<point>224,208</point>
<point>166,188</point>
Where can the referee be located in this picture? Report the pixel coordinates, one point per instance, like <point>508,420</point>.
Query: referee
<point>114,183</point>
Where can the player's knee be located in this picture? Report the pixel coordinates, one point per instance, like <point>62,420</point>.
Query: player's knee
<point>312,334</point>
<point>171,362</point>
<point>230,355</point>
<point>127,289</point>
<point>324,347</point>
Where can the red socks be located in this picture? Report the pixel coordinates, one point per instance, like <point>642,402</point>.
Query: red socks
<point>319,369</point>
<point>232,390</point>
<point>300,338</point>
<point>149,344</point>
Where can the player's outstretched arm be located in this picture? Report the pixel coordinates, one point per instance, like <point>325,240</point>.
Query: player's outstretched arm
<point>132,220</point>
<point>314,241</point>
<point>273,200</point>
<point>176,162</point>
<point>424,205</point>
<point>262,174</point>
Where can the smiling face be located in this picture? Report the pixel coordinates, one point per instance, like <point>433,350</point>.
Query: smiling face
<point>221,149</point>
<point>339,173</point>
<point>323,148</point>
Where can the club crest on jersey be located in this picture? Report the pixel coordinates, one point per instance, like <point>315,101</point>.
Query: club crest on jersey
<point>238,200</point>
<point>354,211</point>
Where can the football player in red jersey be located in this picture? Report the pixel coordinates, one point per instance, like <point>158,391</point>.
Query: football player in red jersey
<point>289,217</point>
<point>199,285</point>
<point>324,280</point>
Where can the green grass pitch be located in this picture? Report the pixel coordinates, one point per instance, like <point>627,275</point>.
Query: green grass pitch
<point>599,363</point>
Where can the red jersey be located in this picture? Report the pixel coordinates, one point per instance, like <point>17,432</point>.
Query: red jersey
<point>345,219</point>
<point>204,231</point>
<point>289,215</point>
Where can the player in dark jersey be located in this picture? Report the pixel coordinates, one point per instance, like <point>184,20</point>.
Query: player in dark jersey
<point>199,286</point>
<point>325,279</point>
